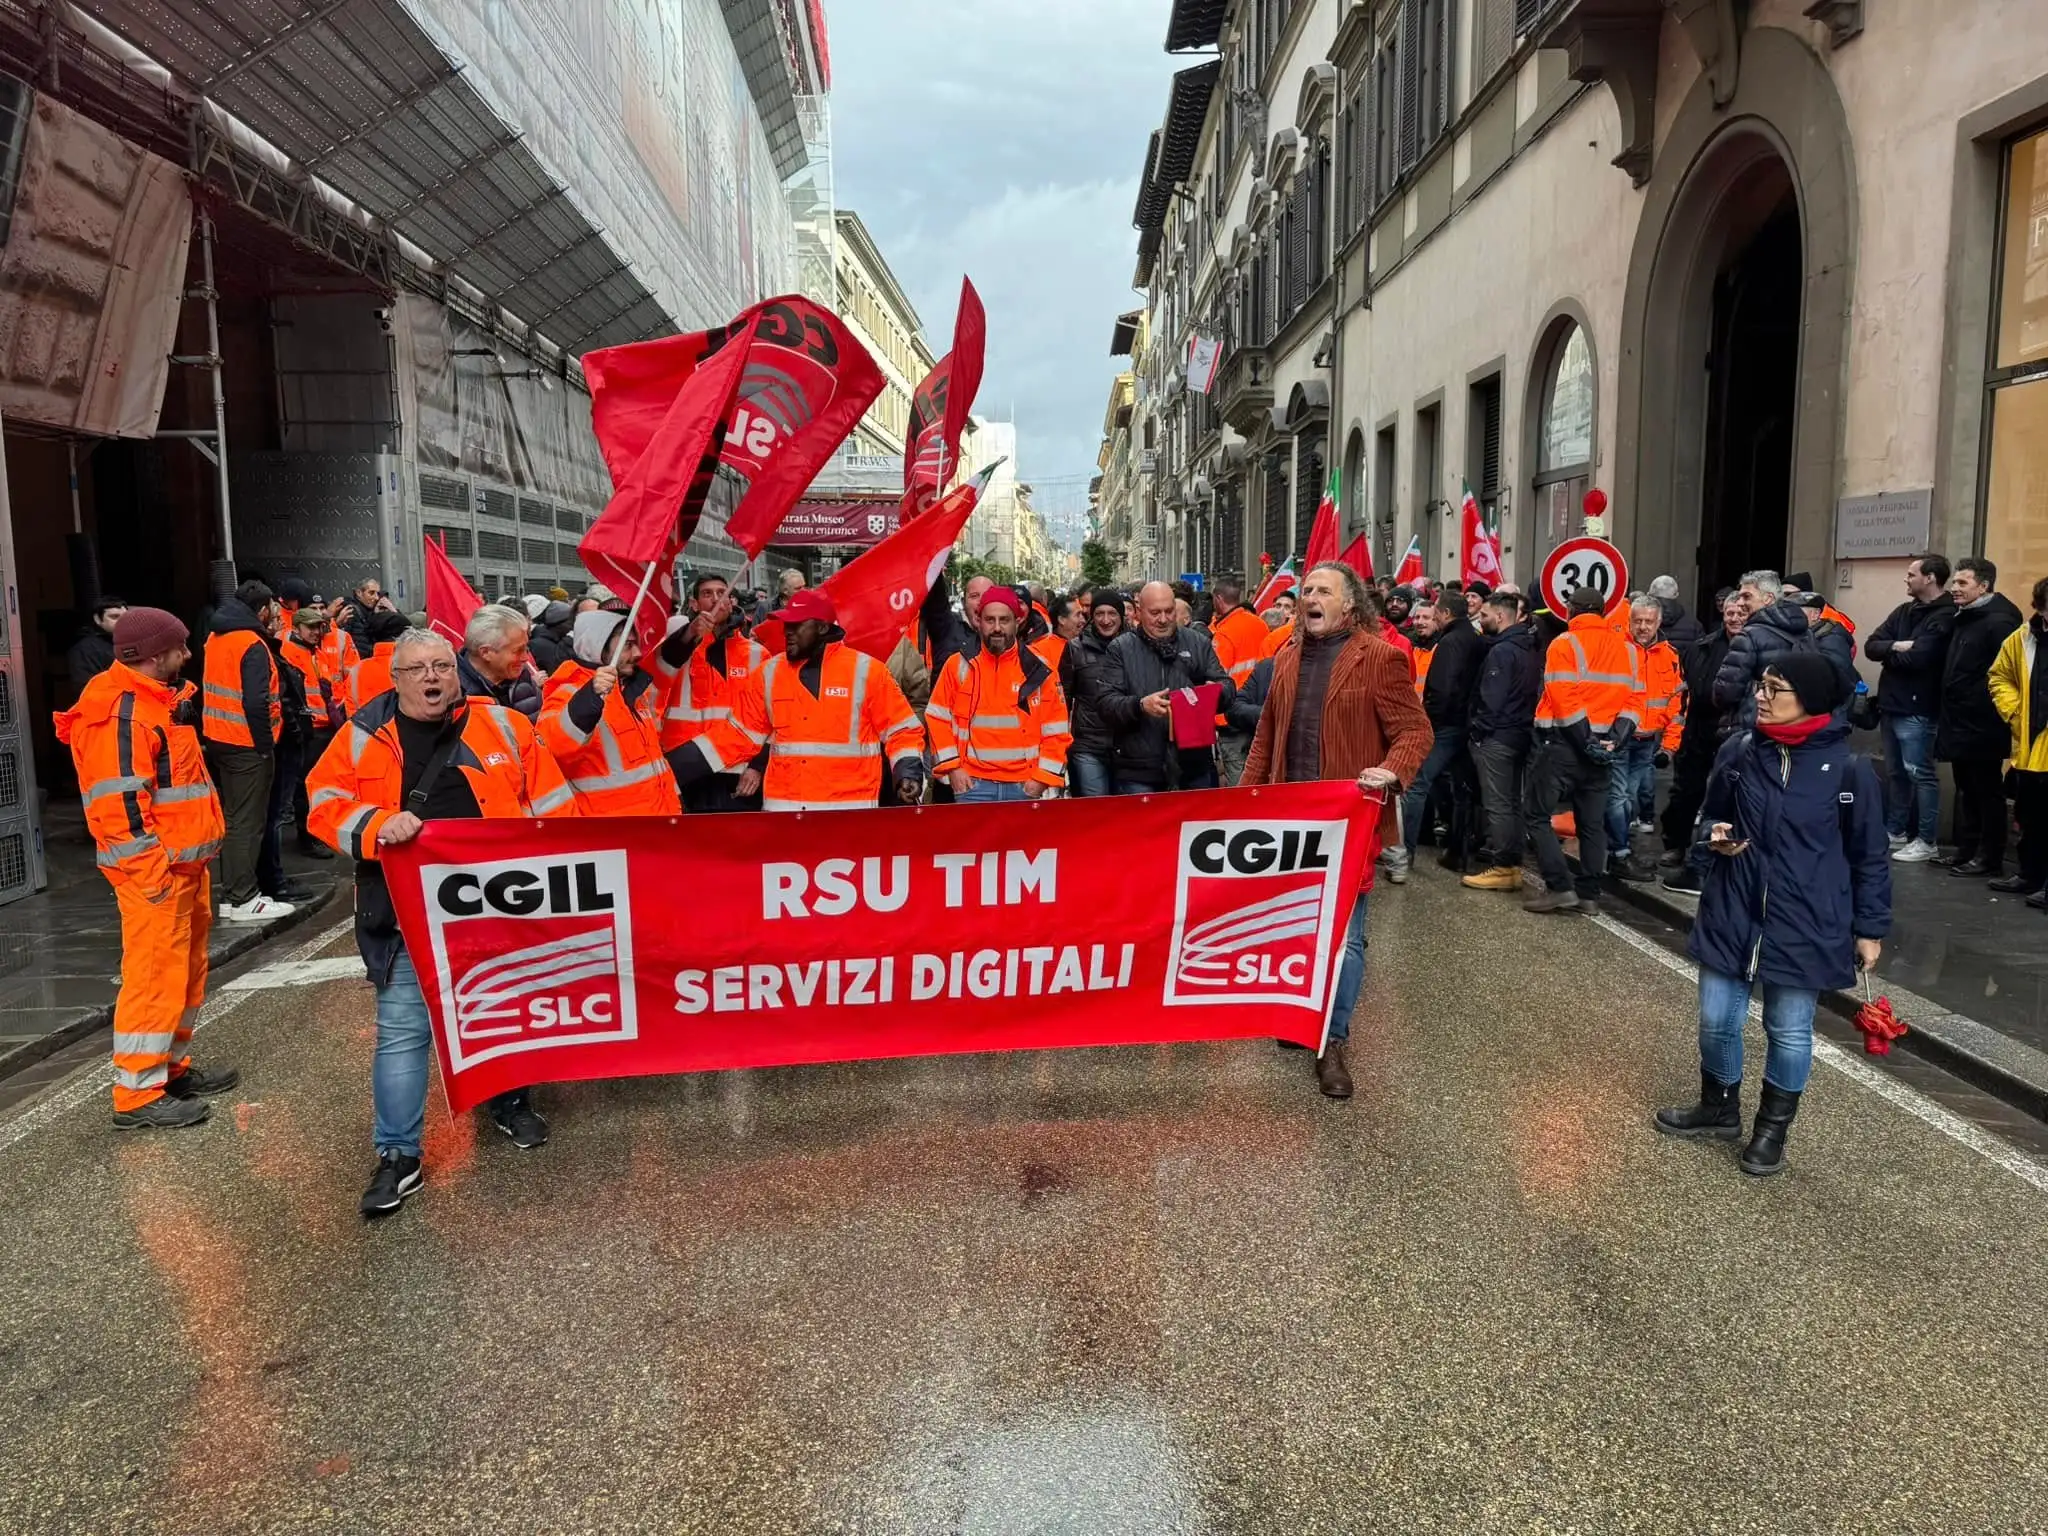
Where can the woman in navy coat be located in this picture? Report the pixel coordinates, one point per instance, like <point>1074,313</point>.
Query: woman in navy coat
<point>1797,902</point>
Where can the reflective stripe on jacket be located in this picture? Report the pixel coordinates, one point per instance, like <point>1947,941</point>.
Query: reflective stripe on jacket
<point>149,801</point>
<point>1660,708</point>
<point>240,674</point>
<point>1590,677</point>
<point>699,695</point>
<point>323,695</point>
<point>338,650</point>
<point>824,749</point>
<point>359,782</point>
<point>615,766</point>
<point>1001,718</point>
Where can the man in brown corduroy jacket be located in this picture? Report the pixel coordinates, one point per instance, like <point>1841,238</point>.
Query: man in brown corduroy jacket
<point>1341,706</point>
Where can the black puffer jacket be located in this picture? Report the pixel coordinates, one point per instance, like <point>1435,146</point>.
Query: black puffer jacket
<point>1142,749</point>
<point>1680,627</point>
<point>1911,684</point>
<point>1510,683</point>
<point>1701,664</point>
<point>1453,675</point>
<point>90,655</point>
<point>1770,633</point>
<point>549,639</point>
<point>1081,665</point>
<point>1969,724</point>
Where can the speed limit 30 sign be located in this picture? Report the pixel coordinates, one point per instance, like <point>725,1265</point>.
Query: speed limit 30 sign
<point>1577,563</point>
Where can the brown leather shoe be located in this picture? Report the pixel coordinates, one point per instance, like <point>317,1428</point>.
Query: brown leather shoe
<point>1332,1076</point>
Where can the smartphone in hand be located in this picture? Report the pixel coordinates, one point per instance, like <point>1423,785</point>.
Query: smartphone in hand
<point>1721,839</point>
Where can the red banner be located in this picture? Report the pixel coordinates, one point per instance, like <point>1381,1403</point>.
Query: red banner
<point>450,600</point>
<point>938,410</point>
<point>551,951</point>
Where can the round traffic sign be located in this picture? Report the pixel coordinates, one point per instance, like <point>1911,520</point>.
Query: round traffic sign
<point>1582,563</point>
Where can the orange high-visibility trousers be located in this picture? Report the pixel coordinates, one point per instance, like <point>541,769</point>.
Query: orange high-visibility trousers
<point>163,982</point>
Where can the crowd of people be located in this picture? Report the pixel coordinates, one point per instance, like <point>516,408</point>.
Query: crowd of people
<point>1487,727</point>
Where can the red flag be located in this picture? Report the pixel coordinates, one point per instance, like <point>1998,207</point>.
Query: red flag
<point>1322,534</point>
<point>1358,555</point>
<point>805,382</point>
<point>1478,546</point>
<point>450,599</point>
<point>938,411</point>
<point>1410,569</point>
<point>879,593</point>
<point>662,476</point>
<point>1280,582</point>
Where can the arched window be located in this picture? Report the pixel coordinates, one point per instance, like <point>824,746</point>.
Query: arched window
<point>1564,436</point>
<point>1351,514</point>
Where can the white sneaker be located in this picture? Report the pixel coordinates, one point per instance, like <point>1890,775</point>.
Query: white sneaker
<point>1915,852</point>
<point>1395,862</point>
<point>1899,840</point>
<point>258,909</point>
<point>1644,828</point>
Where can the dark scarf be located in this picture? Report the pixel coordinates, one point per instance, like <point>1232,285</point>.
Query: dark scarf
<point>1311,689</point>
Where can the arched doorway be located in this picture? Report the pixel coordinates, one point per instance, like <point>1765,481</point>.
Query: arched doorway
<point>1563,407</point>
<point>1734,328</point>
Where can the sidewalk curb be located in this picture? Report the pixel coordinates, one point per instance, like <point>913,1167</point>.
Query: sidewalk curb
<point>101,1016</point>
<point>2001,1066</point>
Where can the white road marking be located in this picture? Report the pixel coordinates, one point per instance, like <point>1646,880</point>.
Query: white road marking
<point>1890,1089</point>
<point>100,1080</point>
<point>296,973</point>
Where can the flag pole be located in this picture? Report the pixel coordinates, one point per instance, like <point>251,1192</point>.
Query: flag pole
<point>625,629</point>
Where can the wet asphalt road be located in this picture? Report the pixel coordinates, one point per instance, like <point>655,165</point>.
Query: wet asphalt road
<point>1164,1290</point>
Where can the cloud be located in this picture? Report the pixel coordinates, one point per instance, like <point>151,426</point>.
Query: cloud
<point>1004,140</point>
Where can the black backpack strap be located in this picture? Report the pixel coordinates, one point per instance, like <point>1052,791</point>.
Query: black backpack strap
<point>437,760</point>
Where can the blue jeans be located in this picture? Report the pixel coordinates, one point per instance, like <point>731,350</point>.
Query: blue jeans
<point>1350,976</point>
<point>1912,802</point>
<point>1088,775</point>
<point>1450,742</point>
<point>1632,768</point>
<point>990,792</point>
<point>398,1077</point>
<point>1788,1028</point>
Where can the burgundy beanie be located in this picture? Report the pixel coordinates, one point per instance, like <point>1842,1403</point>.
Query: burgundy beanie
<point>143,634</point>
<point>1008,597</point>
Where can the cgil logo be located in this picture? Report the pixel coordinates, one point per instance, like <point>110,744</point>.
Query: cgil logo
<point>1254,912</point>
<point>531,953</point>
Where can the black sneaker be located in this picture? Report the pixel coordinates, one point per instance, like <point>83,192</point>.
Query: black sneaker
<point>313,848</point>
<point>293,892</point>
<point>202,1082</point>
<point>162,1114</point>
<point>397,1177</point>
<point>516,1118</point>
<point>1686,879</point>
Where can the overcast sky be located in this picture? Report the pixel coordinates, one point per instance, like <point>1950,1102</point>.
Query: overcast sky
<point>1004,139</point>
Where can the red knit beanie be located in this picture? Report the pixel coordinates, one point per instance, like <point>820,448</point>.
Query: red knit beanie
<point>143,634</point>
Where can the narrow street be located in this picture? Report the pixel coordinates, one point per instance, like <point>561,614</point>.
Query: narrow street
<point>1156,1290</point>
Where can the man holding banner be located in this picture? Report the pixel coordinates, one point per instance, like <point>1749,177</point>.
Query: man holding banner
<point>1341,707</point>
<point>424,752</point>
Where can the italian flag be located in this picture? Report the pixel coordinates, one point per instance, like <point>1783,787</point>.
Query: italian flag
<point>1322,534</point>
<point>1409,571</point>
<point>1282,580</point>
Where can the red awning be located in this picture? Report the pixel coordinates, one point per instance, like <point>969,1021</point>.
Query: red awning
<point>866,520</point>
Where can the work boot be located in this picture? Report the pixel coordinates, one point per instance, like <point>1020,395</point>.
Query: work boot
<point>1765,1153</point>
<point>1627,867</point>
<point>162,1114</point>
<point>202,1082</point>
<point>1499,878</point>
<point>1553,901</point>
<point>313,848</point>
<point>1718,1114</point>
<point>397,1177</point>
<point>514,1115</point>
<point>1332,1076</point>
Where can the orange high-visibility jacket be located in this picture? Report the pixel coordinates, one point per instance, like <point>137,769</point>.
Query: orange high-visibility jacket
<point>322,692</point>
<point>699,693</point>
<point>1276,638</point>
<point>1049,649</point>
<point>999,717</point>
<point>1418,660</point>
<point>370,677</point>
<point>359,782</point>
<point>1240,639</point>
<point>1661,705</point>
<point>824,748</point>
<point>241,690</point>
<point>148,798</point>
<point>338,649</point>
<point>615,765</point>
<point>1591,679</point>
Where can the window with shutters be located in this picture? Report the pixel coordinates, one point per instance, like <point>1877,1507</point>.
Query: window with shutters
<point>1526,14</point>
<point>1425,55</point>
<point>1386,148</point>
<point>1482,455</point>
<point>1308,491</point>
<point>1493,41</point>
<point>1354,175</point>
<point>1318,218</point>
<point>1276,509</point>
<point>1229,530</point>
<point>1409,51</point>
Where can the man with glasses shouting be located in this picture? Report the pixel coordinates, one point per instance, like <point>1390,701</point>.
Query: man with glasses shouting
<point>416,754</point>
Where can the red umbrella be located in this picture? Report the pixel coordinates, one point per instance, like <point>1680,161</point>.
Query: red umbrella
<point>1879,1024</point>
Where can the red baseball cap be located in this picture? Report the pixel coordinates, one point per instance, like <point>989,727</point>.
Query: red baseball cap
<point>809,603</point>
